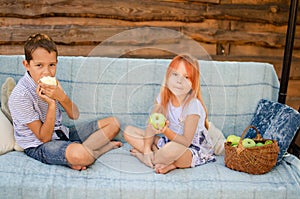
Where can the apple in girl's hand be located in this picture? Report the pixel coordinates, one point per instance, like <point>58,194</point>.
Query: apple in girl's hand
<point>247,143</point>
<point>157,120</point>
<point>49,80</point>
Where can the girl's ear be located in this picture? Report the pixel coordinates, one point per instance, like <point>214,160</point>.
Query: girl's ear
<point>26,64</point>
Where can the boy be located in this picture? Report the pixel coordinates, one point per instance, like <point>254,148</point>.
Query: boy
<point>37,119</point>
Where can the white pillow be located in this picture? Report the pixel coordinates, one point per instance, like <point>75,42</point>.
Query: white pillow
<point>217,138</point>
<point>7,140</point>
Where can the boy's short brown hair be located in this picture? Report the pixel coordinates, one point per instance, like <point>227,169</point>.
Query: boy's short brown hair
<point>38,40</point>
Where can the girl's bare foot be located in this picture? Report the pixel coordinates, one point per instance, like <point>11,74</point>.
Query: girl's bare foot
<point>163,169</point>
<point>144,158</point>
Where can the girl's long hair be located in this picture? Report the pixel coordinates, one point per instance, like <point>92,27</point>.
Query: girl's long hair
<point>193,71</point>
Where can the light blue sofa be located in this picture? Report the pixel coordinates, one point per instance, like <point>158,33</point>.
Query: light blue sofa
<point>126,88</point>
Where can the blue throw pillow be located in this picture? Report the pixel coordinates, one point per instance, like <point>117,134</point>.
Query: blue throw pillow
<point>275,121</point>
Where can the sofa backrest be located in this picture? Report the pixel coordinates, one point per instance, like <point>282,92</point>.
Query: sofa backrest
<point>126,87</point>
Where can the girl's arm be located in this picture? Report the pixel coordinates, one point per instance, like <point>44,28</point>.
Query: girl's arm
<point>150,131</point>
<point>190,127</point>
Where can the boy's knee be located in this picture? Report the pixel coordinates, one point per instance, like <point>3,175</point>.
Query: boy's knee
<point>113,122</point>
<point>116,123</point>
<point>77,154</point>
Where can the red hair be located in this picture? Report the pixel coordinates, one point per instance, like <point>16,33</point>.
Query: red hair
<point>193,72</point>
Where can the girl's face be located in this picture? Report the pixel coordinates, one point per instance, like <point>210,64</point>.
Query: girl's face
<point>42,64</point>
<point>179,82</point>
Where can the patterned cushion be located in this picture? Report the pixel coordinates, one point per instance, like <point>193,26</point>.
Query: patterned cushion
<point>275,121</point>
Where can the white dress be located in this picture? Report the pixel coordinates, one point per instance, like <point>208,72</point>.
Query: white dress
<point>201,146</point>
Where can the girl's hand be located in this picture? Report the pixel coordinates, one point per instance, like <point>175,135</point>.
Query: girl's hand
<point>151,130</point>
<point>159,130</point>
<point>163,129</point>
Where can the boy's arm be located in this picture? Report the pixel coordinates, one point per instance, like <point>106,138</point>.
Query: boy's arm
<point>70,107</point>
<point>57,93</point>
<point>44,131</point>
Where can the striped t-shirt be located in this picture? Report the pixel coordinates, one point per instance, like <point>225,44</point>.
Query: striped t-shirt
<point>25,107</point>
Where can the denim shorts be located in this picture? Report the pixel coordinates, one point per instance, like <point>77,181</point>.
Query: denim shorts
<point>54,152</point>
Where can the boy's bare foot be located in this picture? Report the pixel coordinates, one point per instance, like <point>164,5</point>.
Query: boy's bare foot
<point>78,167</point>
<point>163,169</point>
<point>116,144</point>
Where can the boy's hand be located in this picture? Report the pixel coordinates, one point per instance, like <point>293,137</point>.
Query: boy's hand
<point>52,91</point>
<point>43,96</point>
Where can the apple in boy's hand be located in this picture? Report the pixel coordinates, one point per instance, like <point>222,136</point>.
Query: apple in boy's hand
<point>247,143</point>
<point>157,120</point>
<point>49,80</point>
<point>233,139</point>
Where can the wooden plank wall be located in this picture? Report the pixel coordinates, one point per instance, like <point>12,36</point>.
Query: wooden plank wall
<point>233,30</point>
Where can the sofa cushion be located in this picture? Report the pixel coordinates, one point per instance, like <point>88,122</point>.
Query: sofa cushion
<point>275,121</point>
<point>217,138</point>
<point>7,140</point>
<point>6,90</point>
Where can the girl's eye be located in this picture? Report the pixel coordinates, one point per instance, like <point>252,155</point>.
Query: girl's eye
<point>52,65</point>
<point>174,73</point>
<point>186,77</point>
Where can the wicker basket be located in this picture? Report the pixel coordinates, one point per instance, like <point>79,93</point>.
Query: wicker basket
<point>254,160</point>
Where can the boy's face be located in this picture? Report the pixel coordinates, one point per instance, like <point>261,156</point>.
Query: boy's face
<point>42,64</point>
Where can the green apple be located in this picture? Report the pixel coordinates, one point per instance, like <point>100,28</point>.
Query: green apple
<point>247,143</point>
<point>157,120</point>
<point>259,144</point>
<point>268,142</point>
<point>233,139</point>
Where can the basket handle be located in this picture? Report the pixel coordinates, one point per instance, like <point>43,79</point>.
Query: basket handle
<point>258,135</point>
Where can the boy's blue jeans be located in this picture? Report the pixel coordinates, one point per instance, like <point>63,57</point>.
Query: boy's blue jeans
<point>53,152</point>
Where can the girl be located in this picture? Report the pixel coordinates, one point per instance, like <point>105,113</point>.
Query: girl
<point>185,141</point>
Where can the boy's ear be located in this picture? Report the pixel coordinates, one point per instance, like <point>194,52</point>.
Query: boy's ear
<point>26,64</point>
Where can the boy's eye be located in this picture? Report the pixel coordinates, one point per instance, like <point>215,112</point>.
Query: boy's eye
<point>52,65</point>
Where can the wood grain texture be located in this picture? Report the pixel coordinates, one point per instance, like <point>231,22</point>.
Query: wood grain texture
<point>229,30</point>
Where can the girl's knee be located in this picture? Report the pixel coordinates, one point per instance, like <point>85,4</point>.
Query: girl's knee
<point>129,132</point>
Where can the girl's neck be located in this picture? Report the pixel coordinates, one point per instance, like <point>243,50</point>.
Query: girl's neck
<point>178,100</point>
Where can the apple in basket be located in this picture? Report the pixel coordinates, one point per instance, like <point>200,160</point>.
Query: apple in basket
<point>248,143</point>
<point>268,142</point>
<point>259,144</point>
<point>234,139</point>
<point>157,120</point>
<point>49,80</point>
